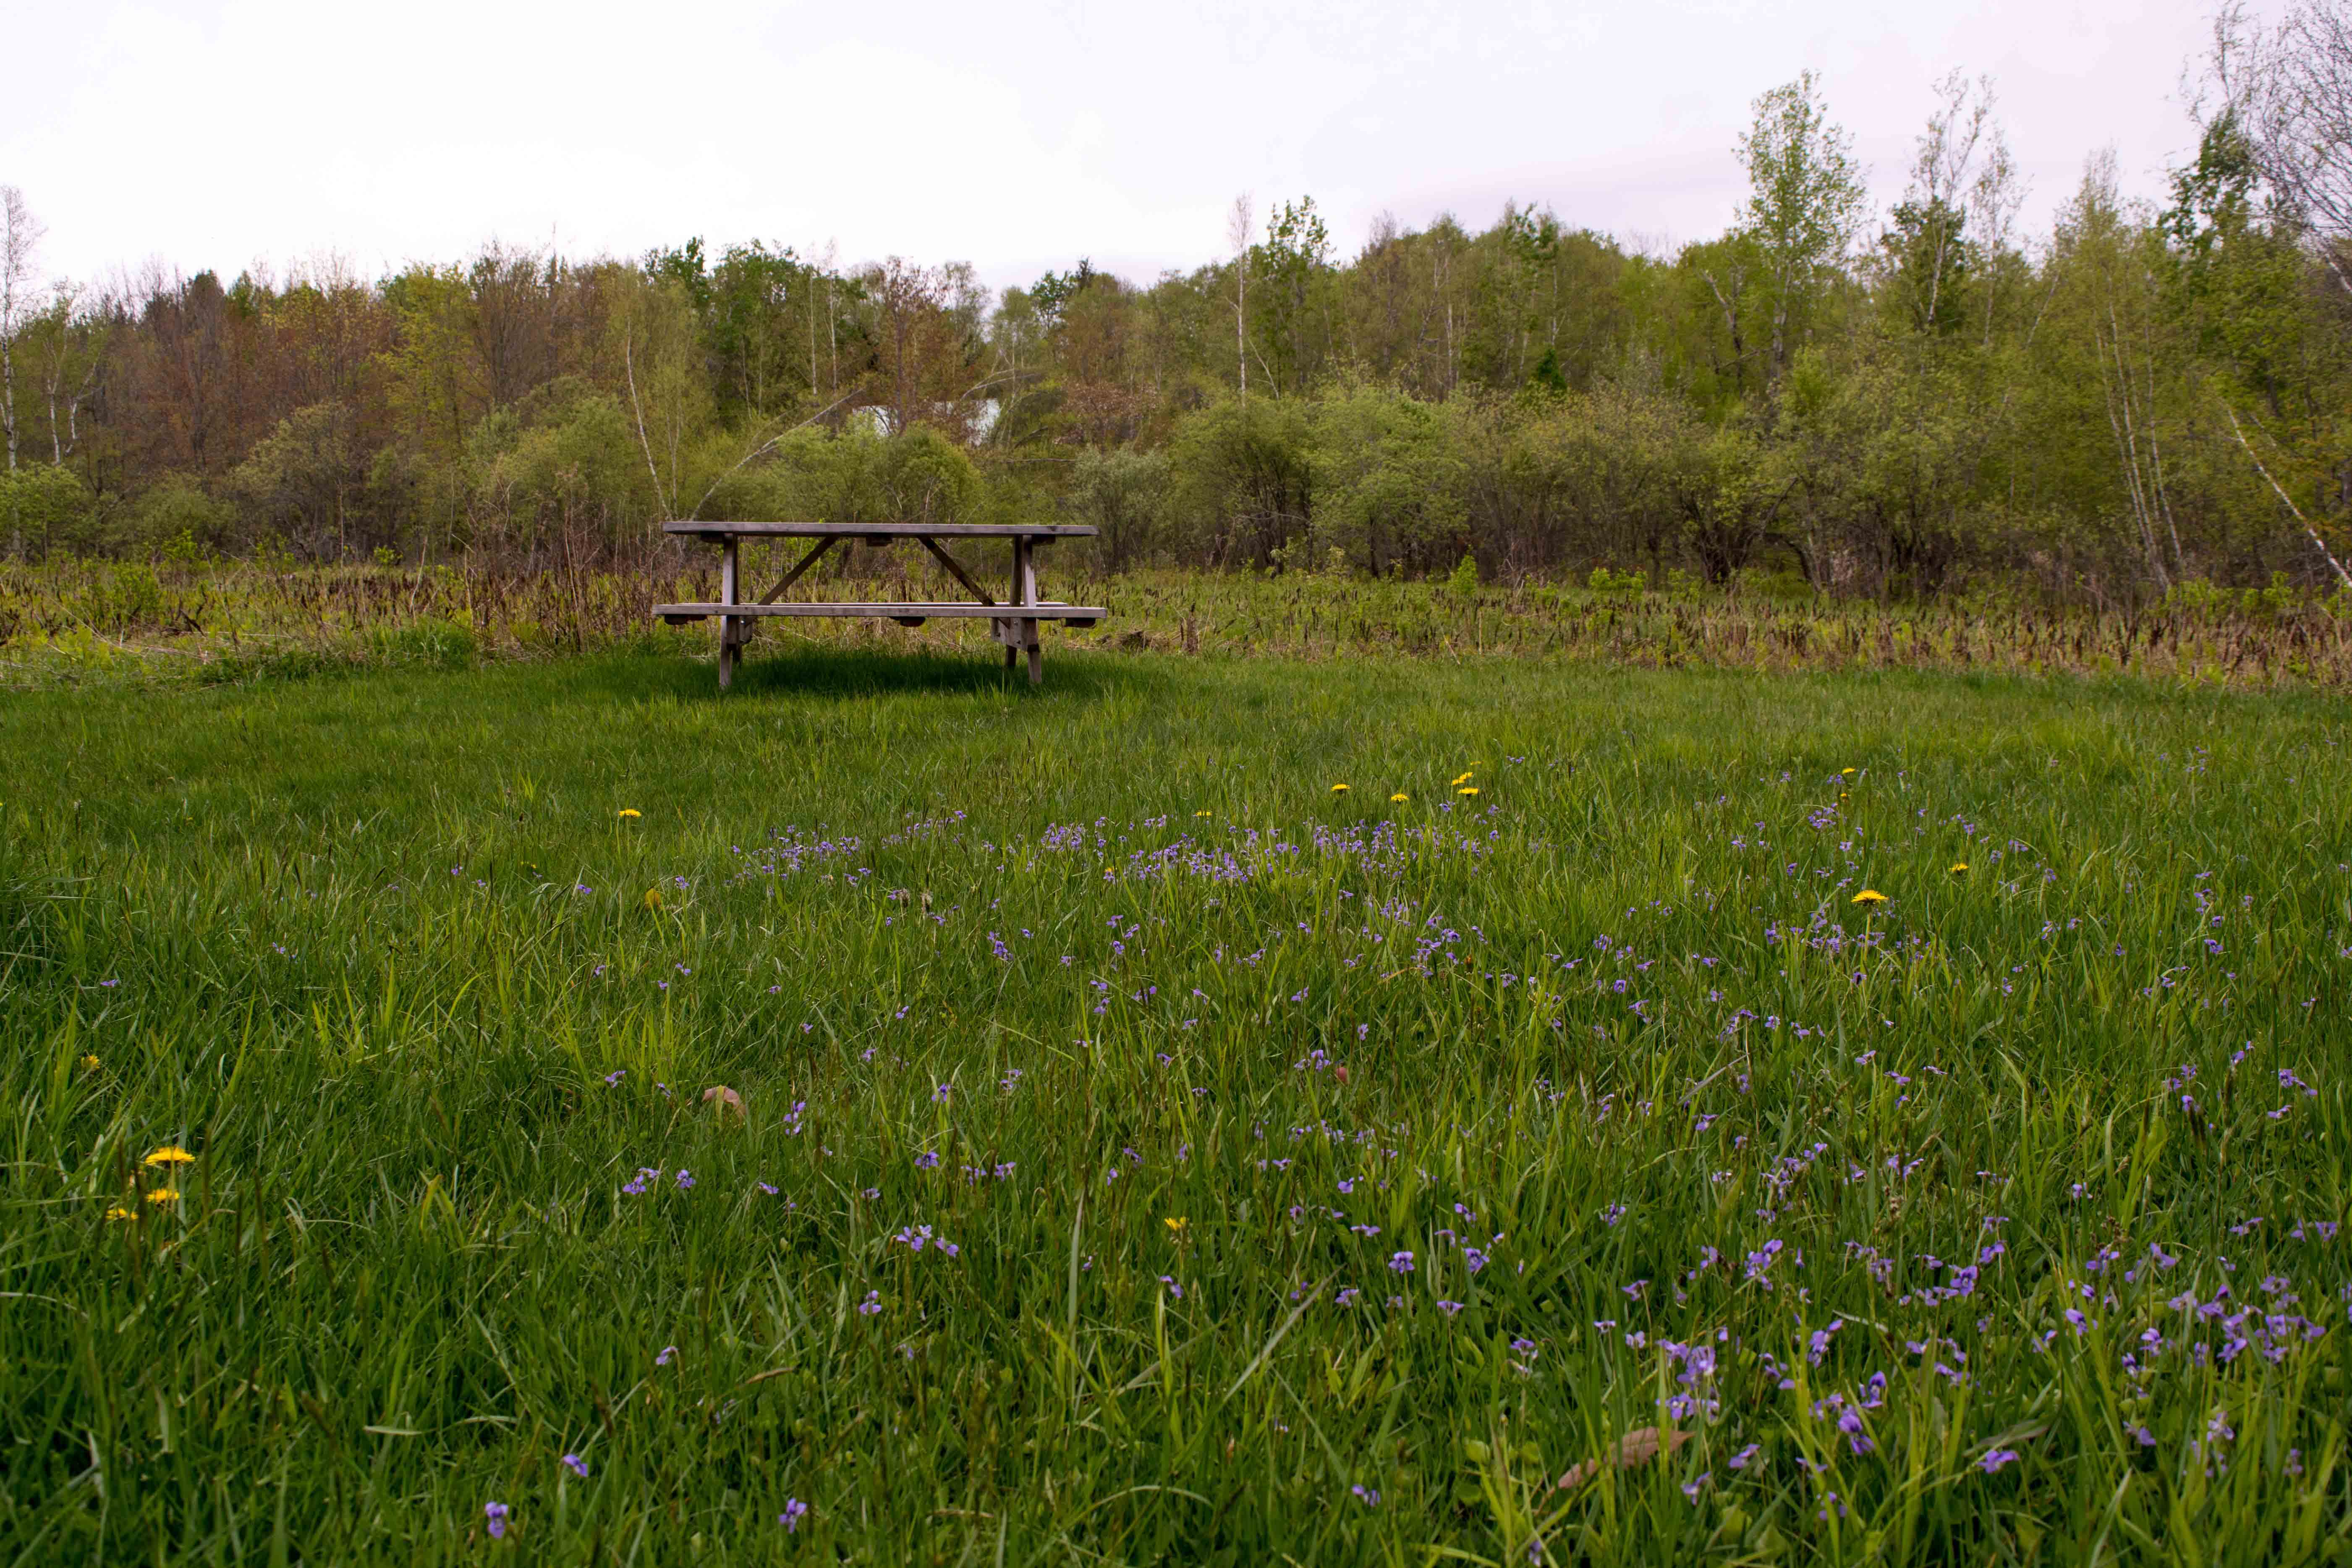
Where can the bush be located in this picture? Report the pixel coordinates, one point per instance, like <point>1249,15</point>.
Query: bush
<point>175,519</point>
<point>43,509</point>
<point>1121,493</point>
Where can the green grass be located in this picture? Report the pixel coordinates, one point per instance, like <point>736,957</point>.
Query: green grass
<point>379,951</point>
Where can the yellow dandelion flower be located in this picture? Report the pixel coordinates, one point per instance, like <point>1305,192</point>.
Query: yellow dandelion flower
<point>1471,790</point>
<point>119,1212</point>
<point>1959,867</point>
<point>89,1064</point>
<point>169,1155</point>
<point>1845,770</point>
<point>1176,1225</point>
<point>631,811</point>
<point>1400,797</point>
<point>1869,895</point>
<point>1199,813</point>
<point>1462,780</point>
<point>165,1196</point>
<point>1339,789</point>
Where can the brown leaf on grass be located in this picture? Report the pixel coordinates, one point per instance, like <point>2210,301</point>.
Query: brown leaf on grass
<point>725,1099</point>
<point>1638,1447</point>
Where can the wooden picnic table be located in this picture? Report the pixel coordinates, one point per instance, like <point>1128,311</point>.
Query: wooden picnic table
<point>1015,620</point>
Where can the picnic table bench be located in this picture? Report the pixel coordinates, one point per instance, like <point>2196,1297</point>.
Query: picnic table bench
<point>1014,621</point>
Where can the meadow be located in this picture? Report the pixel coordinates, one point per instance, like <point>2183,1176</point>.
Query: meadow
<point>1646,1115</point>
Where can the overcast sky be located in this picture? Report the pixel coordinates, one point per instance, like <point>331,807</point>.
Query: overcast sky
<point>1015,136</point>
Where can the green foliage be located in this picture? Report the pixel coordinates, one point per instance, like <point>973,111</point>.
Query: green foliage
<point>1241,478</point>
<point>46,508</point>
<point>1122,492</point>
<point>1806,199</point>
<point>178,517</point>
<point>1386,479</point>
<point>920,475</point>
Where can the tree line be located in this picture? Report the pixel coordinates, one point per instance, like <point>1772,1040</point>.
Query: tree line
<point>1907,405</point>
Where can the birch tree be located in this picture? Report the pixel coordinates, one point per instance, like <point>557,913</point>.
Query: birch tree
<point>20,241</point>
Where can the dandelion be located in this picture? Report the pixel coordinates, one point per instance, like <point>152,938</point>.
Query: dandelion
<point>165,1196</point>
<point>791,1517</point>
<point>1959,867</point>
<point>1339,789</point>
<point>1462,780</point>
<point>1471,790</point>
<point>169,1155</point>
<point>1870,896</point>
<point>89,1064</point>
<point>1199,813</point>
<point>119,1212</point>
<point>1176,1227</point>
<point>576,1465</point>
<point>1399,798</point>
<point>496,1512</point>
<point>631,811</point>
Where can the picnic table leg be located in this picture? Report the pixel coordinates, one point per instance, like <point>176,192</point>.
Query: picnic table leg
<point>727,571</point>
<point>1024,592</point>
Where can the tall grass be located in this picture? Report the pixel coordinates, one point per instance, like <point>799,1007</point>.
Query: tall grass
<point>1327,1176</point>
<point>83,622</point>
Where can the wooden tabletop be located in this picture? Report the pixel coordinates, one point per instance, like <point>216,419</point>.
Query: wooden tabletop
<point>880,530</point>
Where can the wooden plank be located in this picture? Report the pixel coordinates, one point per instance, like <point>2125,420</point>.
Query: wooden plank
<point>953,564</point>
<point>728,628</point>
<point>676,614</point>
<point>723,529</point>
<point>793,576</point>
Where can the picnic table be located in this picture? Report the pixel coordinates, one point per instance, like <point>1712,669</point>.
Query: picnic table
<point>1014,621</point>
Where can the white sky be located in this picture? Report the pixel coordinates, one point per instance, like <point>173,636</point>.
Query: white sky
<point>1016,136</point>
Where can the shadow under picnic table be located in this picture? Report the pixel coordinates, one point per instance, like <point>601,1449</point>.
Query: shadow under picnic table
<point>865,673</point>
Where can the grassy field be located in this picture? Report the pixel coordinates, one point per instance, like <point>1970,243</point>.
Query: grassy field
<point>1916,1104</point>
